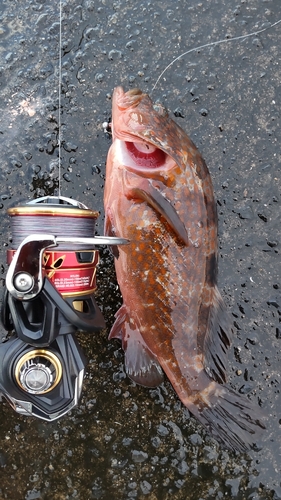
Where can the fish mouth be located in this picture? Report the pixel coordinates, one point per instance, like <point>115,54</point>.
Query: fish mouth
<point>145,154</point>
<point>139,156</point>
<point>135,132</point>
<point>142,157</point>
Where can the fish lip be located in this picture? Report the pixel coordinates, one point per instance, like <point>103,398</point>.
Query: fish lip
<point>129,99</point>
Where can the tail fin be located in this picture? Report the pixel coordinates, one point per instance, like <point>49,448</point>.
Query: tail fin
<point>232,419</point>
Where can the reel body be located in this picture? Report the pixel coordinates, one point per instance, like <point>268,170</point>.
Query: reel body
<point>49,295</point>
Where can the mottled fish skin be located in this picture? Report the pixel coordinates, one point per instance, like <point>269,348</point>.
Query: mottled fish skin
<point>173,316</point>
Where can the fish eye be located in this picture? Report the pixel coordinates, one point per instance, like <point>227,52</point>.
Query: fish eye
<point>145,154</point>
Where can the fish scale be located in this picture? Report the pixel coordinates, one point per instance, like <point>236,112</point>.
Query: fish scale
<point>173,317</point>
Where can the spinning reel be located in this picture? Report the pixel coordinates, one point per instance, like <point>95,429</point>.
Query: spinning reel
<point>49,295</point>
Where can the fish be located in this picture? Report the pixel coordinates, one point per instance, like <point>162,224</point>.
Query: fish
<point>159,195</point>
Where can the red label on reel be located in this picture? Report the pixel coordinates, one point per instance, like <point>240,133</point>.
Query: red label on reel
<point>72,282</point>
<point>72,273</point>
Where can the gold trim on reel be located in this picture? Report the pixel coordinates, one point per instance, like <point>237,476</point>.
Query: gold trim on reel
<point>38,371</point>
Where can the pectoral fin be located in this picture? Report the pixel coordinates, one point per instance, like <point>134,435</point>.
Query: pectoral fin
<point>140,364</point>
<point>117,330</point>
<point>109,231</point>
<point>161,205</point>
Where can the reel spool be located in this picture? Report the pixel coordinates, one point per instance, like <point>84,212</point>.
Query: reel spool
<point>49,296</point>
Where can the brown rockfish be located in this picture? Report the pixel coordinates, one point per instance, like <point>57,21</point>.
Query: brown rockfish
<point>159,195</point>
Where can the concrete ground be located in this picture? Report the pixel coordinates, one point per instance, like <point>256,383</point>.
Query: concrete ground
<point>124,441</point>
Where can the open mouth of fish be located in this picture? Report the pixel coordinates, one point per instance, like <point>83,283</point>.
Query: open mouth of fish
<point>141,156</point>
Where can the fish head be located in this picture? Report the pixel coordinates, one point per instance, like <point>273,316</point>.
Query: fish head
<point>151,160</point>
<point>146,143</point>
<point>140,136</point>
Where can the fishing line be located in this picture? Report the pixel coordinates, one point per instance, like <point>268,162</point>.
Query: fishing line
<point>60,82</point>
<point>211,44</point>
<point>61,220</point>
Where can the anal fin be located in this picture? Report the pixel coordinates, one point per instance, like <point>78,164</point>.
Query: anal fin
<point>218,339</point>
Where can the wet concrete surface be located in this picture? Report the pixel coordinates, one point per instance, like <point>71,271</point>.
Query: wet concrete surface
<point>125,441</point>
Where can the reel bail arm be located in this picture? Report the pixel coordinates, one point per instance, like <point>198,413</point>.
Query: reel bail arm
<point>24,278</point>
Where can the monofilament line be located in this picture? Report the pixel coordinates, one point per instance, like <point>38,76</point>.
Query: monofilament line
<point>59,117</point>
<point>211,44</point>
